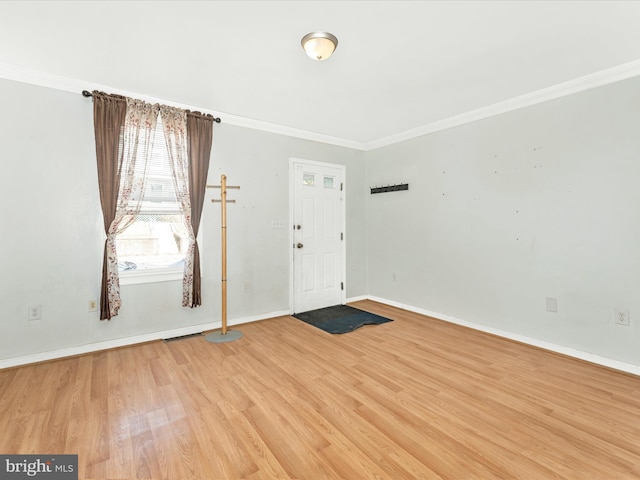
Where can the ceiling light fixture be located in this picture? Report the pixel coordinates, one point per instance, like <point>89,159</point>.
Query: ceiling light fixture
<point>319,45</point>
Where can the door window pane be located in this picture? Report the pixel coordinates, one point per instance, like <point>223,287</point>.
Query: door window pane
<point>308,179</point>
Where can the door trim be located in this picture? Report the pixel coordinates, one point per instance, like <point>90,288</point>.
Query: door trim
<point>293,161</point>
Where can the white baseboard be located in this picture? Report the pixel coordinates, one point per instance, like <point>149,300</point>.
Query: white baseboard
<point>357,299</point>
<point>123,342</point>
<point>571,352</point>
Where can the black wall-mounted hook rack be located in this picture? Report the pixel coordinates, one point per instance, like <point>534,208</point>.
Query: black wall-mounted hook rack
<point>390,188</point>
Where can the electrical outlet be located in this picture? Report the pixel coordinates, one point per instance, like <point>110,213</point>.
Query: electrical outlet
<point>92,305</point>
<point>622,317</point>
<point>34,312</point>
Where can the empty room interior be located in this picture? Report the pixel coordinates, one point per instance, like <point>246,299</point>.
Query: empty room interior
<point>187,183</point>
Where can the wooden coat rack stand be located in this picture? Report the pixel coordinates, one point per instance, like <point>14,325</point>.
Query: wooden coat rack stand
<point>224,335</point>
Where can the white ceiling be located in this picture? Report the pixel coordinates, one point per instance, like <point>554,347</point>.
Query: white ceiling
<point>399,65</point>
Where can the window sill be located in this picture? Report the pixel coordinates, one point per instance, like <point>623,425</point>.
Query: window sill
<point>136,277</point>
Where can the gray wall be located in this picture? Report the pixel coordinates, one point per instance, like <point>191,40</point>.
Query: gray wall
<point>501,213</point>
<point>504,212</point>
<point>52,237</point>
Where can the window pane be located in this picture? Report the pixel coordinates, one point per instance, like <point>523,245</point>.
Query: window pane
<point>159,190</point>
<point>308,179</point>
<point>158,238</point>
<point>154,240</point>
<point>328,182</point>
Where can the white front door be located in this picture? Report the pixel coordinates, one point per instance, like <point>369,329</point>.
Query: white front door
<point>318,235</point>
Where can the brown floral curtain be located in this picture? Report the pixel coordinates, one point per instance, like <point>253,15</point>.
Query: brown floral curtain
<point>189,136</point>
<point>123,151</point>
<point>174,121</point>
<point>125,130</point>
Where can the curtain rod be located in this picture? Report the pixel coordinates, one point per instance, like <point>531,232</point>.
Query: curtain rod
<point>87,93</point>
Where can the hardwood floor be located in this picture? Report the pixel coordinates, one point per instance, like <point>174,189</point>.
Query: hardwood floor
<point>414,398</point>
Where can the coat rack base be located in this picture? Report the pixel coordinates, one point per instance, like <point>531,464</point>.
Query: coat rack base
<point>219,337</point>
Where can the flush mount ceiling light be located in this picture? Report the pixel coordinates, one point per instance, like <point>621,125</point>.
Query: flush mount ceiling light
<point>319,45</point>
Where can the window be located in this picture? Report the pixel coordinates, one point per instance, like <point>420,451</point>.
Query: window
<point>154,246</point>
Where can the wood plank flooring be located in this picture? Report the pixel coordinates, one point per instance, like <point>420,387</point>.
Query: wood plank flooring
<point>416,398</point>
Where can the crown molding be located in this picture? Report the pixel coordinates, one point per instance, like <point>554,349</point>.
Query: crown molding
<point>289,131</point>
<point>581,84</point>
<point>594,80</point>
<point>57,82</point>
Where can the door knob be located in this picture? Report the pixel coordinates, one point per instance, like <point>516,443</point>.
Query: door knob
<point>299,245</point>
